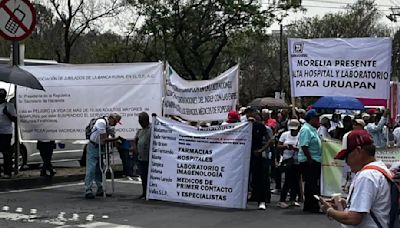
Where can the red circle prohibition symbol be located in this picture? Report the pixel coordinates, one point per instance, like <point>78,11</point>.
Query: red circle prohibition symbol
<point>27,30</point>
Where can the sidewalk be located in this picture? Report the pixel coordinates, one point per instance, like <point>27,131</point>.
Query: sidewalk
<point>32,179</point>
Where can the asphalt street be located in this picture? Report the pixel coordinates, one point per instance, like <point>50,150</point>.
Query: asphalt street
<point>64,206</point>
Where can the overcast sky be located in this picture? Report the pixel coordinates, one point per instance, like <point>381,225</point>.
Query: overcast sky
<point>321,7</point>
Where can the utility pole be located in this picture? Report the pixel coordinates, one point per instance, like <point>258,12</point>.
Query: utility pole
<point>281,58</point>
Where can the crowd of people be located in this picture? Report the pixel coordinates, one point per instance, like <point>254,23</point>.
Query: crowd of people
<point>284,144</point>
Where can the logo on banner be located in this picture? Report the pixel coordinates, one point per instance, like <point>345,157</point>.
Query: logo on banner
<point>297,50</point>
<point>298,47</point>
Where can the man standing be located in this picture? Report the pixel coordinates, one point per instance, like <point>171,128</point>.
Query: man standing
<point>46,152</point>
<point>99,137</point>
<point>310,160</point>
<point>376,129</point>
<point>7,116</point>
<point>142,142</point>
<point>369,201</point>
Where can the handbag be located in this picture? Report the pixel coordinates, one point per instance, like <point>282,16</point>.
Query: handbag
<point>286,164</point>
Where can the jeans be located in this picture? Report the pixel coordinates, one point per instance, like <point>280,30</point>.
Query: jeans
<point>93,171</point>
<point>144,170</point>
<point>311,174</point>
<point>292,183</point>
<point>127,162</point>
<point>5,147</point>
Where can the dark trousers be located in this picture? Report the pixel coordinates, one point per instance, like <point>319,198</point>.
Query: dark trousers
<point>127,163</point>
<point>46,152</point>
<point>5,148</point>
<point>276,173</point>
<point>311,175</point>
<point>292,183</point>
<point>144,170</point>
<point>260,180</point>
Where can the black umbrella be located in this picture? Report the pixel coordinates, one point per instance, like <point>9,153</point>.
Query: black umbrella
<point>268,102</point>
<point>18,76</point>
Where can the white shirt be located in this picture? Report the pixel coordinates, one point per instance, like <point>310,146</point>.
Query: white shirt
<point>100,127</point>
<point>371,193</point>
<point>396,134</point>
<point>323,132</point>
<point>287,139</point>
<point>5,122</point>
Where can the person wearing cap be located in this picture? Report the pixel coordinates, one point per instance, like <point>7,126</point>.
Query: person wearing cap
<point>7,116</point>
<point>261,140</point>
<point>142,145</point>
<point>368,203</point>
<point>288,145</point>
<point>358,124</point>
<point>310,160</point>
<point>376,129</point>
<point>366,117</point>
<point>101,131</point>
<point>233,117</point>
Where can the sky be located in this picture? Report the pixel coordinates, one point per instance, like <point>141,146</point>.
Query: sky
<point>321,7</point>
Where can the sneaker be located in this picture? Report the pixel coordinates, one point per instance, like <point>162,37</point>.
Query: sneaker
<point>283,205</point>
<point>261,206</point>
<point>294,204</point>
<point>89,195</point>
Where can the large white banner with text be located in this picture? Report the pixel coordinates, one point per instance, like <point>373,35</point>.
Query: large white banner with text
<point>205,100</point>
<point>205,166</point>
<point>355,67</point>
<point>77,93</point>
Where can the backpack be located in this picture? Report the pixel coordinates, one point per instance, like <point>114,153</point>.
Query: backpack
<point>89,127</point>
<point>394,198</point>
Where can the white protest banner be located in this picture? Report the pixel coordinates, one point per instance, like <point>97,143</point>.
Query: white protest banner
<point>204,166</point>
<point>77,93</point>
<point>205,100</point>
<point>356,67</point>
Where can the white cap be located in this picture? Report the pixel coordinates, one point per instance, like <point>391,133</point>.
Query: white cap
<point>365,115</point>
<point>241,110</point>
<point>265,110</point>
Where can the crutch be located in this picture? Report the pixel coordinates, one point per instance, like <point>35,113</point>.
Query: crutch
<point>104,168</point>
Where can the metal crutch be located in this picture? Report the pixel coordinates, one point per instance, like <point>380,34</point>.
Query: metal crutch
<point>104,168</point>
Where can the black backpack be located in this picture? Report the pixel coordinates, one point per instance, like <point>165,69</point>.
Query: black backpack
<point>89,128</point>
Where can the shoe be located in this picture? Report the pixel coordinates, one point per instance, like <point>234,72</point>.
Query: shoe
<point>276,191</point>
<point>261,206</point>
<point>283,205</point>
<point>143,196</point>
<point>294,204</point>
<point>89,195</point>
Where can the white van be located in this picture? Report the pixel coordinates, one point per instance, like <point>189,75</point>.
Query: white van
<point>67,150</point>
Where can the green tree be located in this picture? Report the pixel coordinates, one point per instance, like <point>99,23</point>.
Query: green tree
<point>193,34</point>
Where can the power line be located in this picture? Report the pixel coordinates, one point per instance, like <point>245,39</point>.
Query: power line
<point>335,7</point>
<point>344,3</point>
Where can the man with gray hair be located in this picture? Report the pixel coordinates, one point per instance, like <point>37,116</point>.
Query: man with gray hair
<point>99,137</point>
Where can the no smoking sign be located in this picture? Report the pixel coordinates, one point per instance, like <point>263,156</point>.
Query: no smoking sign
<point>17,19</point>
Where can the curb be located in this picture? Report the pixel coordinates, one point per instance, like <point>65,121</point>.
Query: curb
<point>19,183</point>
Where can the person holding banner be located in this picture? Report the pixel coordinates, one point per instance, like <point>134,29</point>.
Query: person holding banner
<point>8,115</point>
<point>258,161</point>
<point>310,160</point>
<point>142,142</point>
<point>369,202</point>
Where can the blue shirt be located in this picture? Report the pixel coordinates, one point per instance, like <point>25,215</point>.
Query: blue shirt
<point>376,131</point>
<point>308,136</point>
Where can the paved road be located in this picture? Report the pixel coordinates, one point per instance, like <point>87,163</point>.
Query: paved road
<point>56,206</point>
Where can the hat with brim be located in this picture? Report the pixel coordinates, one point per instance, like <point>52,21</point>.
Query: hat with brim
<point>352,140</point>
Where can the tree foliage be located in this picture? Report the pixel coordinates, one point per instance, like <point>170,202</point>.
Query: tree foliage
<point>194,33</point>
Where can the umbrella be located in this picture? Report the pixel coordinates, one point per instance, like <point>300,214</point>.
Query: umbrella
<point>337,102</point>
<point>18,76</point>
<point>269,102</point>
